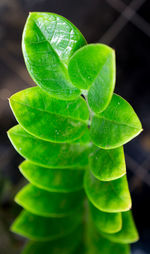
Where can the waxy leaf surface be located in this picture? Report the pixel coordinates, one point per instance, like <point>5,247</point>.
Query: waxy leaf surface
<point>49,204</point>
<point>48,42</point>
<point>49,118</point>
<point>111,197</point>
<point>64,245</point>
<point>128,233</point>
<point>48,154</point>
<point>93,67</point>
<point>107,165</point>
<point>53,179</point>
<point>106,222</point>
<point>40,228</point>
<point>116,125</point>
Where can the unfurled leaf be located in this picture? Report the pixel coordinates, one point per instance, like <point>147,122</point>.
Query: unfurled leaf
<point>49,40</point>
<point>115,126</point>
<point>106,222</point>
<point>64,245</point>
<point>111,197</point>
<point>53,179</point>
<point>49,204</point>
<point>40,228</point>
<point>93,67</point>
<point>128,233</point>
<point>48,154</point>
<point>107,165</point>
<point>49,118</point>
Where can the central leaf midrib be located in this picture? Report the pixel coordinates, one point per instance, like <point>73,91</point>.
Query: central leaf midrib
<point>98,74</point>
<point>61,63</point>
<point>118,123</point>
<point>49,112</point>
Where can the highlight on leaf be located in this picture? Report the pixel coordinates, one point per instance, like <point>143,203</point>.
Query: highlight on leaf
<point>46,52</point>
<point>93,68</point>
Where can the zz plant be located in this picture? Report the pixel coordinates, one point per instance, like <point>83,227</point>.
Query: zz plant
<point>71,132</point>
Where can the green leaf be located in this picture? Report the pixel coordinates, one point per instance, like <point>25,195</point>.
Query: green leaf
<point>110,196</point>
<point>99,244</point>
<point>53,179</point>
<point>65,245</point>
<point>107,165</point>
<point>93,67</point>
<point>106,222</point>
<point>49,204</point>
<point>115,126</point>
<point>48,42</point>
<point>39,228</point>
<point>47,154</point>
<point>43,116</point>
<point>128,233</point>
<point>84,139</point>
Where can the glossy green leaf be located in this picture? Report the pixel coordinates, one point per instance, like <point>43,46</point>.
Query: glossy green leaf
<point>110,196</point>
<point>49,204</point>
<point>48,42</point>
<point>39,228</point>
<point>93,67</point>
<point>49,118</point>
<point>53,179</point>
<point>48,154</point>
<point>85,138</point>
<point>115,126</point>
<point>106,222</point>
<point>128,233</point>
<point>101,245</point>
<point>107,165</point>
<point>64,245</point>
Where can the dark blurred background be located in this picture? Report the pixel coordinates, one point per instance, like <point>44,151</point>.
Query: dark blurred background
<point>125,26</point>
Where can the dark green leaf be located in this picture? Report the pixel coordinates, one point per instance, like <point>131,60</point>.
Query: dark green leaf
<point>53,179</point>
<point>107,165</point>
<point>110,196</point>
<point>65,245</point>
<point>49,40</point>
<point>115,126</point>
<point>48,154</point>
<point>93,67</point>
<point>128,233</point>
<point>106,222</point>
<point>39,228</point>
<point>48,118</point>
<point>49,204</point>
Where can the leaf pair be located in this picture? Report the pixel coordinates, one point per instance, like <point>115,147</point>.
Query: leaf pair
<point>49,41</point>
